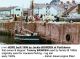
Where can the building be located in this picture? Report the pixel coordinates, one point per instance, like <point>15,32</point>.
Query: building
<point>12,10</point>
<point>72,8</point>
<point>45,9</point>
<point>55,7</point>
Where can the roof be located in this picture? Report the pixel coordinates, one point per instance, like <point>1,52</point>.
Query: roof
<point>54,1</point>
<point>41,5</point>
<point>7,8</point>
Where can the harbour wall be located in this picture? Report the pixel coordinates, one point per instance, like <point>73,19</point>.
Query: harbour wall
<point>58,32</point>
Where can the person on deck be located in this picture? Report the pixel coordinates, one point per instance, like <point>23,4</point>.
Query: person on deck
<point>31,18</point>
<point>37,18</point>
<point>41,17</point>
<point>56,18</point>
<point>15,18</point>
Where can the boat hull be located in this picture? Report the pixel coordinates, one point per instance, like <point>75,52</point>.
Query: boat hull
<point>27,39</point>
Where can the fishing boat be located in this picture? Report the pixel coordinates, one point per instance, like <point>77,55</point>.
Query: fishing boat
<point>25,34</point>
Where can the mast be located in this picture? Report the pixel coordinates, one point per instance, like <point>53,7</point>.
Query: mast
<point>32,7</point>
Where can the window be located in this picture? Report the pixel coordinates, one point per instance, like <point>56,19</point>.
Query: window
<point>17,9</point>
<point>17,14</point>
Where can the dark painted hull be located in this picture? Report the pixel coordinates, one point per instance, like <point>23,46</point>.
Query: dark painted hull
<point>28,37</point>
<point>25,37</point>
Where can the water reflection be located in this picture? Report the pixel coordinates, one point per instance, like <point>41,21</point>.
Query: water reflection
<point>7,40</point>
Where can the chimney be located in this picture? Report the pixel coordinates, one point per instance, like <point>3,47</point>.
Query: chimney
<point>78,8</point>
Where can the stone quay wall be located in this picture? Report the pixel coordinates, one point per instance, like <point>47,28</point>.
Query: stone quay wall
<point>58,32</point>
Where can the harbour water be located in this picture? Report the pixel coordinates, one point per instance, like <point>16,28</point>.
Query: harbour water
<point>6,40</point>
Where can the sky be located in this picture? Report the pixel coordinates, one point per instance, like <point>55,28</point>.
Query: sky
<point>24,3</point>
